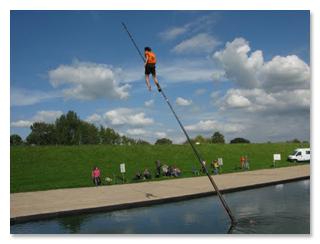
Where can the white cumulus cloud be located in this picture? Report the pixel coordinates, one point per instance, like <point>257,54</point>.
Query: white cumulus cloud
<point>204,126</point>
<point>160,134</point>
<point>21,124</point>
<point>237,101</point>
<point>87,81</point>
<point>272,98</point>
<point>95,119</point>
<point>238,65</point>
<point>287,73</point>
<point>183,102</point>
<point>249,70</point>
<point>136,132</point>
<point>126,116</point>
<point>48,116</point>
<point>254,100</point>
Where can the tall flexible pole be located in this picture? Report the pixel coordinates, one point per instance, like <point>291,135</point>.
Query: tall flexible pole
<point>224,203</point>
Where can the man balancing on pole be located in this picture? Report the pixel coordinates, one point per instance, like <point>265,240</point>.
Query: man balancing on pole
<point>150,67</point>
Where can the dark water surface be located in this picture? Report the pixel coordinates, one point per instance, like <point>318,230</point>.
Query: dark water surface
<point>278,209</point>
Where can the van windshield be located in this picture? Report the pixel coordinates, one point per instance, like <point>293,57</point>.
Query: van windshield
<point>295,152</point>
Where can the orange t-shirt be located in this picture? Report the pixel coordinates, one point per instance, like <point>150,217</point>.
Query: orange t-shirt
<point>151,57</point>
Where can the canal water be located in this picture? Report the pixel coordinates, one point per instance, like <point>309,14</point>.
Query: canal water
<point>276,209</point>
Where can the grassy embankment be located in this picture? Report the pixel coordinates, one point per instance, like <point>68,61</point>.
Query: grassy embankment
<point>51,167</point>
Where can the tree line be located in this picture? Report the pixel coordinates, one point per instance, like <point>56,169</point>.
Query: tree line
<point>216,138</point>
<point>69,129</point>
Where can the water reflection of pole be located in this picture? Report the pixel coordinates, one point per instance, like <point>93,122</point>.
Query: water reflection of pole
<point>224,203</point>
<point>230,230</point>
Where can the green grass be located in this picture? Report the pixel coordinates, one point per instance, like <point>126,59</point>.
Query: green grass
<point>51,167</point>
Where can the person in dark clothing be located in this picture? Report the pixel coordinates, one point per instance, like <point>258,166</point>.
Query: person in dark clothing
<point>170,171</point>
<point>158,168</point>
<point>138,175</point>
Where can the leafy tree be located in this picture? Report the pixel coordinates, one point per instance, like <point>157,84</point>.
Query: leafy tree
<point>217,137</point>
<point>295,140</point>
<point>200,139</point>
<point>163,141</point>
<point>127,141</point>
<point>42,134</point>
<point>89,133</point>
<point>102,132</point>
<point>114,136</point>
<point>15,140</point>
<point>109,136</point>
<point>239,140</point>
<point>142,142</point>
<point>68,129</point>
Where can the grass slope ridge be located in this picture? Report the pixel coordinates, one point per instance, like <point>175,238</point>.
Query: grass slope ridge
<point>51,167</point>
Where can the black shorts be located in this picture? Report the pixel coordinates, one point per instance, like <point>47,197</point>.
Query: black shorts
<point>150,68</point>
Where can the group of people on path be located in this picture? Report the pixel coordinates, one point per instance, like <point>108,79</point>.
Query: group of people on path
<point>169,170</point>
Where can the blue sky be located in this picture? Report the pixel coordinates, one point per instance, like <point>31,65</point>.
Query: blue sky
<point>243,73</point>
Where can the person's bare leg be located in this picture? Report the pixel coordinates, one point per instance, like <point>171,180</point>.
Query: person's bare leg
<point>156,81</point>
<point>148,82</point>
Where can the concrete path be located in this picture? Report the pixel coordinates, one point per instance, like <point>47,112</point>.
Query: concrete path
<point>44,204</point>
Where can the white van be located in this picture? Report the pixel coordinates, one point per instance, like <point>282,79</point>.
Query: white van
<point>300,155</point>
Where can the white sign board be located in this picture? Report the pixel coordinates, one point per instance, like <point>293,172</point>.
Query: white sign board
<point>276,157</point>
<point>220,161</point>
<point>122,168</point>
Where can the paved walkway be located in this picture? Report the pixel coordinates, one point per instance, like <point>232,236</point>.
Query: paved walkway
<point>43,204</point>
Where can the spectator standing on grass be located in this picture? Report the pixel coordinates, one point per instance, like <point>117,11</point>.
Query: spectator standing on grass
<point>158,168</point>
<point>220,162</point>
<point>170,171</point>
<point>215,167</point>
<point>246,163</point>
<point>212,165</point>
<point>242,159</point>
<point>95,174</point>
<point>203,166</point>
